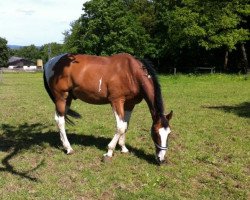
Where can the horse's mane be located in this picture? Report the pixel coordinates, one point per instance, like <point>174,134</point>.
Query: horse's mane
<point>159,106</point>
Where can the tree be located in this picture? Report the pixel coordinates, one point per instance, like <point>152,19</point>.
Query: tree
<point>175,33</point>
<point>4,53</point>
<point>191,25</point>
<point>72,38</point>
<point>28,52</point>
<point>50,50</point>
<point>108,27</point>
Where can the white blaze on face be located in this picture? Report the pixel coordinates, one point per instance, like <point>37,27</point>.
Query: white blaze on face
<point>163,132</point>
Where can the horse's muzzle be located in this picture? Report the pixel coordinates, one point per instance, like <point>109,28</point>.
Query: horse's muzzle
<point>160,162</point>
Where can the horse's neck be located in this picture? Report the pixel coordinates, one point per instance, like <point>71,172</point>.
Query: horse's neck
<point>152,95</point>
<point>149,95</point>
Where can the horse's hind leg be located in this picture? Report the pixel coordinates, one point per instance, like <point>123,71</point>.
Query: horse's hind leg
<point>60,120</point>
<point>68,103</point>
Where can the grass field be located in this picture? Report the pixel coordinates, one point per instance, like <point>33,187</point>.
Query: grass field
<point>209,155</point>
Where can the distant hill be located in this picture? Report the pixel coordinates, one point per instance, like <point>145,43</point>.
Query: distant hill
<point>18,46</point>
<point>15,46</point>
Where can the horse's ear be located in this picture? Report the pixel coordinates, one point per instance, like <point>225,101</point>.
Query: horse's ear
<point>169,115</point>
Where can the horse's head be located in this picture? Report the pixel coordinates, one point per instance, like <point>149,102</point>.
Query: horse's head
<point>160,131</point>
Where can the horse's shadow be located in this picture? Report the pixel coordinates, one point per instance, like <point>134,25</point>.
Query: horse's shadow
<point>16,139</point>
<point>242,110</point>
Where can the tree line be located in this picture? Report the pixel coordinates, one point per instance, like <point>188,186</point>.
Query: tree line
<point>181,34</point>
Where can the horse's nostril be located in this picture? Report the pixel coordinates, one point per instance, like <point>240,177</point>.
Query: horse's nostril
<point>160,162</point>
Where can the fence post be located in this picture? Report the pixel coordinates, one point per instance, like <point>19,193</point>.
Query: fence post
<point>1,75</point>
<point>174,71</point>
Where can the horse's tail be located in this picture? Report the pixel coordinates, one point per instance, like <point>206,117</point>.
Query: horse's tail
<point>158,100</point>
<point>70,112</point>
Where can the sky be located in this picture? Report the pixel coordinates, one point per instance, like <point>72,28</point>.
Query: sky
<point>38,22</point>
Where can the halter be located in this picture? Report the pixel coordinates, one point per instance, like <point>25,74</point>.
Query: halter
<point>160,147</point>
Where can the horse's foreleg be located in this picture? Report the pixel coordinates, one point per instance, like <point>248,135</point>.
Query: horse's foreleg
<point>60,120</point>
<point>120,130</point>
<point>121,127</point>
<point>122,138</point>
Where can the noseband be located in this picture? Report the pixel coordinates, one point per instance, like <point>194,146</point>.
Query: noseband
<point>161,147</point>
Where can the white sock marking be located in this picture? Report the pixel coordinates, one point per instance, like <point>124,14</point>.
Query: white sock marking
<point>123,136</point>
<point>121,125</point>
<point>61,125</point>
<point>121,129</point>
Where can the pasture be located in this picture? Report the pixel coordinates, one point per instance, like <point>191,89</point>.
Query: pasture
<point>208,157</point>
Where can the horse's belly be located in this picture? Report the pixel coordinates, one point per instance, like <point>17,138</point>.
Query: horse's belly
<point>91,97</point>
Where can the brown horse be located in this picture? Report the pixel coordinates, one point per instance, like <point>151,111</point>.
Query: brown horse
<point>121,80</point>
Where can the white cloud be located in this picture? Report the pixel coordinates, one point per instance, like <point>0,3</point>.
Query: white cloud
<point>25,22</point>
<point>26,12</point>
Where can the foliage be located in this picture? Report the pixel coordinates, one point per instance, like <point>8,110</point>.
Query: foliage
<point>222,24</point>
<point>208,156</point>
<point>33,53</point>
<point>28,52</point>
<point>210,24</point>
<point>165,30</point>
<point>4,52</point>
<point>182,34</point>
<point>72,38</point>
<point>108,27</point>
<point>50,50</point>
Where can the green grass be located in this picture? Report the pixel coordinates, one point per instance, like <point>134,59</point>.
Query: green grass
<point>209,155</point>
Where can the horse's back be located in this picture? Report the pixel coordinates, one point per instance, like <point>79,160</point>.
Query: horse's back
<point>89,67</point>
<point>113,63</point>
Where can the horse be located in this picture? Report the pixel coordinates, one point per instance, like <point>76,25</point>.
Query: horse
<point>120,80</point>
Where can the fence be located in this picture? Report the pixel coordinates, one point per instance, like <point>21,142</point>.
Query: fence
<point>18,70</point>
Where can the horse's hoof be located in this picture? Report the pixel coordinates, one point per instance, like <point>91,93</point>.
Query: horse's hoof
<point>106,159</point>
<point>125,152</point>
<point>70,152</point>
